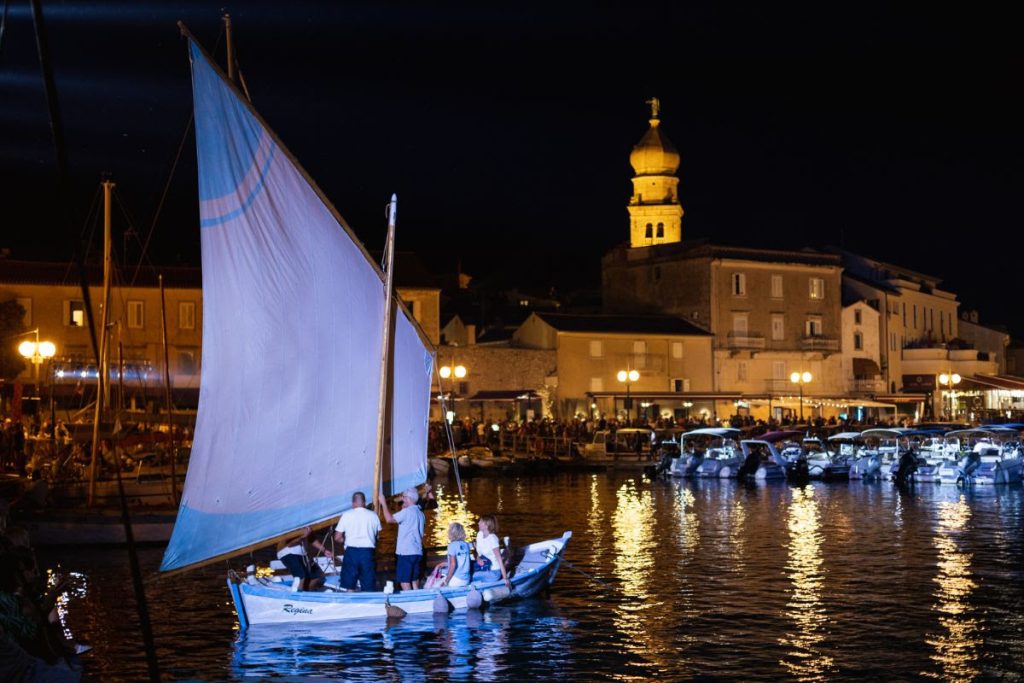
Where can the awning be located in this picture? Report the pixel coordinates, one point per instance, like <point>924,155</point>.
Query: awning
<point>902,398</point>
<point>669,395</point>
<point>986,382</point>
<point>505,395</point>
<point>865,367</point>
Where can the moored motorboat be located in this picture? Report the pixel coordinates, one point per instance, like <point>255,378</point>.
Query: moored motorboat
<point>763,459</point>
<point>710,452</point>
<point>985,456</point>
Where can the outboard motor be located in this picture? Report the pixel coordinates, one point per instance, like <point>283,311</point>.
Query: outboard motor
<point>967,467</point>
<point>797,470</point>
<point>749,466</point>
<point>907,466</point>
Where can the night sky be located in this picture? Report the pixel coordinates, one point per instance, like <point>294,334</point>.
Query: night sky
<point>506,128</point>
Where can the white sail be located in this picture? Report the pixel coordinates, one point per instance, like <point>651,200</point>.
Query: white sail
<point>292,332</point>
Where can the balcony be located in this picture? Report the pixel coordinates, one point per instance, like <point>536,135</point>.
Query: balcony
<point>867,386</point>
<point>819,344</point>
<point>747,340</point>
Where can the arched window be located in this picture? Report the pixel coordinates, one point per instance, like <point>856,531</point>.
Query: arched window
<point>649,232</point>
<point>661,229</point>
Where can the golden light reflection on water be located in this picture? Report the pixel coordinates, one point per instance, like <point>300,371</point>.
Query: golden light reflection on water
<point>635,550</point>
<point>805,661</point>
<point>595,523</point>
<point>956,650</point>
<point>689,521</point>
<point>737,535</point>
<point>451,508</point>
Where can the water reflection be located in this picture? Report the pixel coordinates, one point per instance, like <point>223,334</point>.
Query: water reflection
<point>451,508</point>
<point>806,659</point>
<point>956,650</point>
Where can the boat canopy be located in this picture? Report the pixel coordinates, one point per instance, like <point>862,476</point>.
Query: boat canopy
<point>844,436</point>
<point>714,431</point>
<point>772,437</point>
<point>293,318</point>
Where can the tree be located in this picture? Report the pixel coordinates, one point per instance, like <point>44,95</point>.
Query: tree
<point>12,323</point>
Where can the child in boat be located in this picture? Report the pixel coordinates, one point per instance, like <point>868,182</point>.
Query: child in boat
<point>489,565</point>
<point>458,557</point>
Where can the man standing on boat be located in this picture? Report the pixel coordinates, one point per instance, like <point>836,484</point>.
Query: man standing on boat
<point>409,547</point>
<point>357,529</point>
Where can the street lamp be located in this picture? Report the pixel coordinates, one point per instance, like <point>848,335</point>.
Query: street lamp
<point>452,372</point>
<point>37,352</point>
<point>800,379</point>
<point>627,377</point>
<point>950,379</point>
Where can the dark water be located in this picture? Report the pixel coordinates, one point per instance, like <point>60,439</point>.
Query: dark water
<point>699,580</point>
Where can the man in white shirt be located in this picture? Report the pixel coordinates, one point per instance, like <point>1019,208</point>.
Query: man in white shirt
<point>409,547</point>
<point>357,529</point>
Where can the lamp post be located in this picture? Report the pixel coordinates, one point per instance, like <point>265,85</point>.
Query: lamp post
<point>452,372</point>
<point>627,377</point>
<point>800,379</point>
<point>950,380</point>
<point>37,352</point>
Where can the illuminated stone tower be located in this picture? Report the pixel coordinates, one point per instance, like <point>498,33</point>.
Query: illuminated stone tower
<point>655,215</point>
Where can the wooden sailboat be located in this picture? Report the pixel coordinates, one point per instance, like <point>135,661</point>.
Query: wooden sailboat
<point>315,380</point>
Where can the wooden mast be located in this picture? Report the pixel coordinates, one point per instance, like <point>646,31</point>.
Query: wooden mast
<point>385,363</point>
<point>230,47</point>
<point>101,378</point>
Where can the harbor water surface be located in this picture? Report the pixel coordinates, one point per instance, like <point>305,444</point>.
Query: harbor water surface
<point>706,580</point>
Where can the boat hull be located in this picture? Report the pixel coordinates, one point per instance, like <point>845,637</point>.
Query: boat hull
<point>273,602</point>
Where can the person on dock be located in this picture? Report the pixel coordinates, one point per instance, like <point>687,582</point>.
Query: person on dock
<point>409,546</point>
<point>292,553</point>
<point>357,529</point>
<point>490,564</point>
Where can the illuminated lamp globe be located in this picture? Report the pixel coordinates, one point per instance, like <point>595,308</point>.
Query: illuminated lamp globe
<point>47,349</point>
<point>806,377</point>
<point>460,371</point>
<point>943,378</point>
<point>633,375</point>
<point>27,349</point>
<point>955,378</point>
<point>622,374</point>
<point>445,372</point>
<point>795,378</point>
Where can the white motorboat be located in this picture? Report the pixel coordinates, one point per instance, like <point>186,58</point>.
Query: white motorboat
<point>708,452</point>
<point>763,459</point>
<point>882,447</point>
<point>988,455</point>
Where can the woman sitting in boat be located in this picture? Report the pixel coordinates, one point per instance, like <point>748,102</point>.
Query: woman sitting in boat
<point>458,569</point>
<point>489,565</point>
<point>292,553</point>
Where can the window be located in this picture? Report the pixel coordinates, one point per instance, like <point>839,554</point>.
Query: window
<point>776,286</point>
<point>677,350</point>
<point>135,314</point>
<point>931,319</point>
<point>596,384</point>
<point>187,362</point>
<point>26,305</point>
<point>661,229</point>
<point>596,348</point>
<point>857,317</point>
<point>74,313</point>
<point>942,321</point>
<point>739,324</point>
<point>187,315</point>
<point>904,314</point>
<point>739,284</point>
<point>813,327</point>
<point>915,316</point>
<point>649,232</point>
<point>640,355</point>
<point>680,385</point>
<point>858,341</point>
<point>778,327</point>
<point>741,371</point>
<point>779,370</point>
<point>817,288</point>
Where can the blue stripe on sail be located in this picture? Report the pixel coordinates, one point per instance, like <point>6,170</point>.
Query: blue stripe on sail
<point>217,220</point>
<point>221,533</point>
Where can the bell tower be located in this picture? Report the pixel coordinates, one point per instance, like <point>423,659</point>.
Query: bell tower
<point>655,214</point>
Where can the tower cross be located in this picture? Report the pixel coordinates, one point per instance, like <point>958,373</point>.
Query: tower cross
<point>655,106</point>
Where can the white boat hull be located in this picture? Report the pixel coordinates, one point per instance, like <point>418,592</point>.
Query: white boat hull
<point>273,602</point>
<point>722,469</point>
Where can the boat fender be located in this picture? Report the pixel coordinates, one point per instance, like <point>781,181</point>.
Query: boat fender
<point>494,594</point>
<point>441,605</point>
<point>394,612</point>
<point>474,600</point>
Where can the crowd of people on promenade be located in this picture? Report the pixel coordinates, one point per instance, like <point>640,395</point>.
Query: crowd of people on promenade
<point>33,643</point>
<point>467,432</point>
<point>357,531</point>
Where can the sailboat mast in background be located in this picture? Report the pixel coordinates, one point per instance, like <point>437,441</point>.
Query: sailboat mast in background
<point>102,373</point>
<point>383,406</point>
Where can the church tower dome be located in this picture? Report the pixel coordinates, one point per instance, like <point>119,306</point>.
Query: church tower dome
<point>655,212</point>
